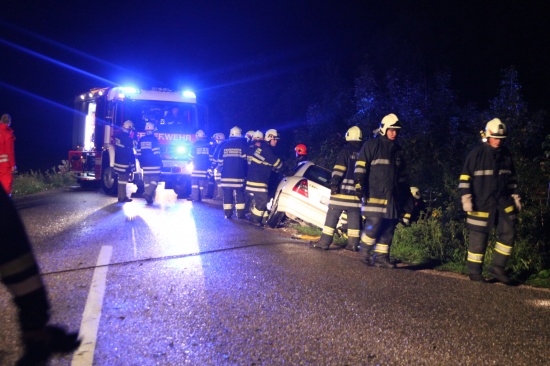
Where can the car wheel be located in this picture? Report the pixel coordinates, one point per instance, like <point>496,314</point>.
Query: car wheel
<point>109,181</point>
<point>275,217</point>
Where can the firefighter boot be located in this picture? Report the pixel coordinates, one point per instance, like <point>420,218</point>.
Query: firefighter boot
<point>318,244</point>
<point>500,274</point>
<point>41,344</point>
<point>148,198</point>
<point>382,261</point>
<point>474,272</point>
<point>367,259</point>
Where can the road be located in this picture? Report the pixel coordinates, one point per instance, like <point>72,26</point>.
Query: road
<point>177,284</point>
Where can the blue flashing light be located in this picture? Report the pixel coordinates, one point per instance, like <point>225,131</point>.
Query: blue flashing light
<point>129,90</point>
<point>188,94</point>
<point>181,150</point>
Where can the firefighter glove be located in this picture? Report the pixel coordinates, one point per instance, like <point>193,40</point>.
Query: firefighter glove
<point>359,190</point>
<point>467,204</point>
<point>517,201</point>
<point>334,189</point>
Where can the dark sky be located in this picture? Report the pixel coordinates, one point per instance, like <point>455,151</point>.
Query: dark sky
<point>50,51</point>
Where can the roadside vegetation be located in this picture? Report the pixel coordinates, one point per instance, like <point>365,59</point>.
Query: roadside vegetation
<point>437,134</point>
<point>37,181</point>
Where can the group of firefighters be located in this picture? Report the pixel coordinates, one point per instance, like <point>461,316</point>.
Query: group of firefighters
<point>369,184</point>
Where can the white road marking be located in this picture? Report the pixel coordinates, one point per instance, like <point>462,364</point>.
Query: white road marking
<point>84,356</point>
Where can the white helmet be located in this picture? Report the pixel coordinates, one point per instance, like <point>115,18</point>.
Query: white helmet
<point>354,134</point>
<point>272,135</point>
<point>149,126</point>
<point>200,134</point>
<point>235,132</point>
<point>249,135</point>
<point>258,136</point>
<point>496,129</point>
<point>128,125</point>
<point>389,121</point>
<point>415,192</point>
<point>219,137</point>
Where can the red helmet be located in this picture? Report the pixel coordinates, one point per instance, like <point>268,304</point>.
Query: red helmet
<point>301,149</point>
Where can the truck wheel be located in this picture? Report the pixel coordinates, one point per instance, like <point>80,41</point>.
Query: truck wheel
<point>275,217</point>
<point>109,181</point>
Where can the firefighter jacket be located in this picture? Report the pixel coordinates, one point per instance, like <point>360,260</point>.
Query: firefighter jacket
<point>490,177</point>
<point>148,154</point>
<point>200,153</point>
<point>124,152</point>
<point>261,162</point>
<point>381,171</point>
<point>232,162</point>
<point>343,178</point>
<point>7,154</point>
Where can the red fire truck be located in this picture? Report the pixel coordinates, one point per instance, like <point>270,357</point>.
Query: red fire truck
<point>100,112</point>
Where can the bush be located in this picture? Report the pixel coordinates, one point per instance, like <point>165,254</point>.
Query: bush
<point>36,181</point>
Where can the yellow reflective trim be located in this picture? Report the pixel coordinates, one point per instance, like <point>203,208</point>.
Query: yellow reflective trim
<point>382,248</point>
<point>361,163</point>
<point>17,265</point>
<point>465,177</point>
<point>509,209</point>
<point>476,222</point>
<point>367,240</point>
<point>475,257</point>
<point>380,201</point>
<point>503,248</point>
<point>479,214</point>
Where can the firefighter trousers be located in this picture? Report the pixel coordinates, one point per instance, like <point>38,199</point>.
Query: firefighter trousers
<point>151,182</point>
<point>258,206</point>
<point>505,234</point>
<point>199,188</point>
<point>377,234</point>
<point>122,181</point>
<point>6,178</point>
<point>230,202</point>
<point>354,225</point>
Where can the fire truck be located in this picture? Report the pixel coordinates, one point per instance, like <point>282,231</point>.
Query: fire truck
<point>100,112</point>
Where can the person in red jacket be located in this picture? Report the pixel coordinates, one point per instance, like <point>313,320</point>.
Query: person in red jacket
<point>7,154</point>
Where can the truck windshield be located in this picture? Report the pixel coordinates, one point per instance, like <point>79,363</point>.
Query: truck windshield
<point>167,117</point>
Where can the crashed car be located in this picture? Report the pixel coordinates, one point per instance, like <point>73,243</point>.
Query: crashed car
<point>303,196</point>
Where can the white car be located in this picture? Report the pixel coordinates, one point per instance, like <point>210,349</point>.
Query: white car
<point>304,195</point>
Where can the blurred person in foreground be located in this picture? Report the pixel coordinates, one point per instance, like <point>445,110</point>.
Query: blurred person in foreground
<point>7,154</point>
<point>20,274</point>
<point>489,194</point>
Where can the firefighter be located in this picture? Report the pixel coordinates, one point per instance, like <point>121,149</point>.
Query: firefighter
<point>257,136</point>
<point>20,274</point>
<point>381,177</point>
<point>219,139</point>
<point>7,154</point>
<point>148,154</point>
<point>249,135</point>
<point>200,154</point>
<point>343,196</point>
<point>489,194</point>
<point>261,162</point>
<point>301,153</point>
<point>233,166</point>
<point>125,161</point>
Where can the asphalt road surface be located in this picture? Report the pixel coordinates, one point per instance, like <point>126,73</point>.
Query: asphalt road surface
<point>177,284</point>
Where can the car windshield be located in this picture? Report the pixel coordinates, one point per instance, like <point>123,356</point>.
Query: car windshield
<point>318,175</point>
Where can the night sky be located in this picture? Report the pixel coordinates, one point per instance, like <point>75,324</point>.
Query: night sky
<point>50,51</point>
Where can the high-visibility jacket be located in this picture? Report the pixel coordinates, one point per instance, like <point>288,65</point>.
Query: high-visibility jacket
<point>124,152</point>
<point>261,162</point>
<point>200,153</point>
<point>233,164</point>
<point>148,154</point>
<point>382,173</point>
<point>7,152</point>
<point>490,177</point>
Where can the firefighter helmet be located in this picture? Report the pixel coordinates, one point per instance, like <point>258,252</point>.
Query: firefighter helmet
<point>301,149</point>
<point>200,134</point>
<point>272,135</point>
<point>149,126</point>
<point>354,134</point>
<point>249,135</point>
<point>389,121</point>
<point>258,136</point>
<point>6,118</point>
<point>235,132</point>
<point>218,136</point>
<point>496,129</point>
<point>415,192</point>
<point>128,125</point>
